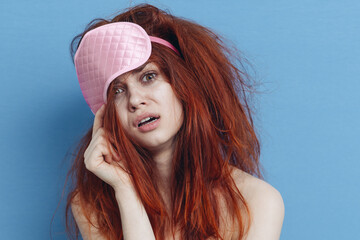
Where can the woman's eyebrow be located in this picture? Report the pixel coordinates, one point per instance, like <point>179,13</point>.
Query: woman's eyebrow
<point>135,71</point>
<point>139,69</point>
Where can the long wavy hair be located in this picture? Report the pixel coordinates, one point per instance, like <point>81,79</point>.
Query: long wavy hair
<point>217,135</point>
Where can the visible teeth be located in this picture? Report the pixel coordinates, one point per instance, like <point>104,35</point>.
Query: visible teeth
<point>147,121</point>
<point>144,120</point>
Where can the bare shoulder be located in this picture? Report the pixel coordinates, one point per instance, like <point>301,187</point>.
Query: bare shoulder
<point>265,203</point>
<point>86,225</point>
<point>255,189</point>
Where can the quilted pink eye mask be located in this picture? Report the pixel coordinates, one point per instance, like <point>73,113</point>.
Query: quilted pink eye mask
<point>107,52</point>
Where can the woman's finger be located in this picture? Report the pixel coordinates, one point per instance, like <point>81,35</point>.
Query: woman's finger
<point>113,153</point>
<point>98,121</point>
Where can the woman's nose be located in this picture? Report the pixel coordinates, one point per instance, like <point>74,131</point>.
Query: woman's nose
<point>136,97</point>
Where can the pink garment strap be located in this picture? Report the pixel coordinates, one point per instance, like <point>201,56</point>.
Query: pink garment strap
<point>164,42</point>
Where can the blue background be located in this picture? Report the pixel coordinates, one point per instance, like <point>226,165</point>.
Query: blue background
<point>305,53</point>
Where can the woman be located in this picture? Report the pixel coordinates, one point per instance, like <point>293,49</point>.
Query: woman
<point>172,153</point>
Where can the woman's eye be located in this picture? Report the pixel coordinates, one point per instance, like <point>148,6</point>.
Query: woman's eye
<point>149,77</point>
<point>118,90</point>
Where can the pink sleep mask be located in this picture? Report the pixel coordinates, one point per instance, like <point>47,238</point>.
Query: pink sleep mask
<point>107,52</point>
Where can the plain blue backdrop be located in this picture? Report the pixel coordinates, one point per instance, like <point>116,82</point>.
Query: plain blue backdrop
<point>305,53</point>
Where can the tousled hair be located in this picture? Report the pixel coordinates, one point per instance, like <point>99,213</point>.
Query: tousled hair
<point>217,134</point>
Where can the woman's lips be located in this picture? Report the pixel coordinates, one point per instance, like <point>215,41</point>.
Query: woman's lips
<point>143,116</point>
<point>149,126</point>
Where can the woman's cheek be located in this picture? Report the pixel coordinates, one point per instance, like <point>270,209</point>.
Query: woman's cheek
<point>121,113</point>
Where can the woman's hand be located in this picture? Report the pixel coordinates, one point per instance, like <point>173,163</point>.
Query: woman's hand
<point>101,159</point>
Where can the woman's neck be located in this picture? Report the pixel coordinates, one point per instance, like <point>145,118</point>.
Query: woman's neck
<point>163,163</point>
<point>163,159</point>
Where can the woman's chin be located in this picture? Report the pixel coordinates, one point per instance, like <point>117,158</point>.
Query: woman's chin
<point>157,146</point>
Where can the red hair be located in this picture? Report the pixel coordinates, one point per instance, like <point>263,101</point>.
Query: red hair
<point>217,133</point>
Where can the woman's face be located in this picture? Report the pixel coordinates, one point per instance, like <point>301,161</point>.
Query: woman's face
<point>147,108</point>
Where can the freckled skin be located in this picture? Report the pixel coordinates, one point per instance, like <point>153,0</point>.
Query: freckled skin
<point>139,95</point>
